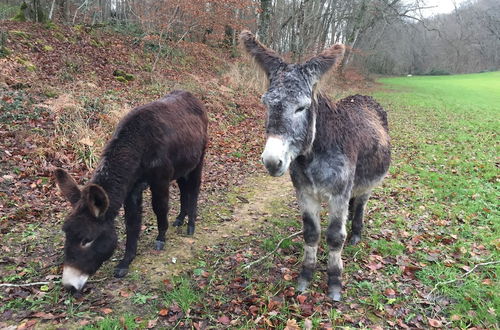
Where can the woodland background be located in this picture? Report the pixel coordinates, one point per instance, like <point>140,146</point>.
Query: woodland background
<point>385,36</point>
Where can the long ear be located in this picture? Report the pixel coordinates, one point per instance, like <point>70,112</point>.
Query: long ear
<point>267,59</point>
<point>327,60</point>
<point>96,199</point>
<point>67,185</point>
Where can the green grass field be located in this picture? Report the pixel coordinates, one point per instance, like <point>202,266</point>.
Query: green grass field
<point>446,165</point>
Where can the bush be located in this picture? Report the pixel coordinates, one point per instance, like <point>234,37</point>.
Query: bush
<point>7,11</point>
<point>438,72</point>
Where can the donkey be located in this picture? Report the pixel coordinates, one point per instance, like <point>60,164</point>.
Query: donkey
<point>335,152</point>
<point>152,145</point>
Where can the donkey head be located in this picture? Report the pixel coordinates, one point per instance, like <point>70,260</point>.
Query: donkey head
<point>291,116</point>
<point>90,239</point>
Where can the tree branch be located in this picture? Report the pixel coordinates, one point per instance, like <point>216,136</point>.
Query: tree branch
<point>250,264</point>
<point>26,284</point>
<point>10,285</point>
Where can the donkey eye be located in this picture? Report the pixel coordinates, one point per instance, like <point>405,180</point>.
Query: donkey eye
<point>86,242</point>
<point>300,109</point>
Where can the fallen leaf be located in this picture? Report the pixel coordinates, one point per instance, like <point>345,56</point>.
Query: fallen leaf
<point>374,266</point>
<point>224,320</point>
<point>163,312</point>
<point>301,298</point>
<point>292,325</point>
<point>466,268</point>
<point>152,323</point>
<point>106,310</point>
<point>455,317</point>
<point>434,323</point>
<point>43,315</point>
<point>389,292</point>
<point>124,294</point>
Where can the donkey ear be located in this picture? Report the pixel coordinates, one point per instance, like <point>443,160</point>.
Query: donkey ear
<point>67,185</point>
<point>266,58</point>
<point>328,59</point>
<point>96,199</point>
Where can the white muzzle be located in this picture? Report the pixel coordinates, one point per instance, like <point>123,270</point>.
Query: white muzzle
<point>73,278</point>
<point>276,156</point>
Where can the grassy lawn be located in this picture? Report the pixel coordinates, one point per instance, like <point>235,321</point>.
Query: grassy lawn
<point>445,175</point>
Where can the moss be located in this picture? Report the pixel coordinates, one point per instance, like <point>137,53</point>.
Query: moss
<point>59,36</point>
<point>50,25</point>
<point>4,52</point>
<point>48,48</point>
<point>96,43</point>
<point>118,73</point>
<point>121,79</point>
<point>122,76</point>
<point>27,64</point>
<point>50,93</point>
<point>21,34</point>
<point>129,77</point>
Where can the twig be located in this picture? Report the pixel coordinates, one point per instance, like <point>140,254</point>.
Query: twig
<point>461,276</point>
<point>25,284</point>
<point>272,252</point>
<point>45,283</point>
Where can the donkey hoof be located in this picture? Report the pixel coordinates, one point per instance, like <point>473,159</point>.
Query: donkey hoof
<point>190,230</point>
<point>178,222</point>
<point>302,285</point>
<point>335,294</point>
<point>355,239</point>
<point>159,245</point>
<point>120,272</point>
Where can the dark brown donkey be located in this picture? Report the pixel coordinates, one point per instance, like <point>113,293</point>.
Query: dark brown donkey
<point>336,152</point>
<point>154,144</point>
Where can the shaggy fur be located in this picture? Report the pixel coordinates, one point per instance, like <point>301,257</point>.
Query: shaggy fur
<point>335,152</point>
<point>153,144</point>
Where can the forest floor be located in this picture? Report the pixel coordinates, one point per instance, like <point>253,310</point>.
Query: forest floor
<point>430,251</point>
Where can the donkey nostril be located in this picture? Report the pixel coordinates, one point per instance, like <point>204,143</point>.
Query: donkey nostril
<point>71,289</point>
<point>280,162</point>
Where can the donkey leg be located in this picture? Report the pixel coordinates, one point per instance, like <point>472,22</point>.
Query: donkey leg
<point>357,220</point>
<point>310,207</point>
<point>159,199</point>
<point>179,220</point>
<point>133,219</point>
<point>193,190</point>
<point>351,209</point>
<point>336,235</point>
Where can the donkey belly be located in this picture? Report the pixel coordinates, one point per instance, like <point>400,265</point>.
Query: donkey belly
<point>370,171</point>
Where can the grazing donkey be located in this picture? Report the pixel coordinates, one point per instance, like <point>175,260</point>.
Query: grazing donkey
<point>335,152</point>
<point>155,143</point>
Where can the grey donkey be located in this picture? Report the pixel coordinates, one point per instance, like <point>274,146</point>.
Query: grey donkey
<point>336,152</point>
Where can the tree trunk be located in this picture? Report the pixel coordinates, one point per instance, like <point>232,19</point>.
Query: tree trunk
<point>264,20</point>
